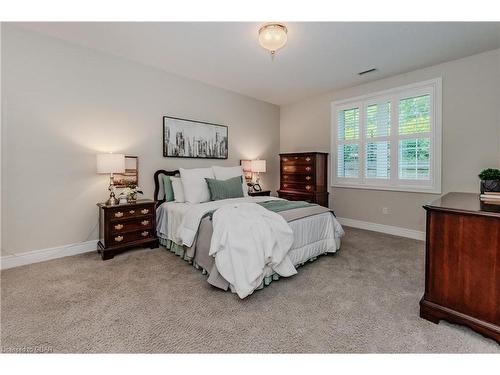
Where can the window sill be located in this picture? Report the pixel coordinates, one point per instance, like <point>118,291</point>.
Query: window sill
<point>407,189</point>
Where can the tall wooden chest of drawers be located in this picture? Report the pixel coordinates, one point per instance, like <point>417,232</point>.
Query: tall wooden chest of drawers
<point>462,263</point>
<point>126,226</point>
<point>303,177</point>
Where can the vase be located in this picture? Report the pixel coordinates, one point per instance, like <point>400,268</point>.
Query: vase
<point>490,186</point>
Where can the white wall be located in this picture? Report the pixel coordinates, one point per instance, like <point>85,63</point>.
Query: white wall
<point>471,136</point>
<point>62,104</point>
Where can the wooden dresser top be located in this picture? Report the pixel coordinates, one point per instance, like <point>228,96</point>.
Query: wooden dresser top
<point>467,203</point>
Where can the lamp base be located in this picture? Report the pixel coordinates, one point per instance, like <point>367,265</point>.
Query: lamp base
<point>112,201</point>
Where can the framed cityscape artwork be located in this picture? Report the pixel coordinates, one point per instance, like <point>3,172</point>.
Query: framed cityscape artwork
<point>194,139</point>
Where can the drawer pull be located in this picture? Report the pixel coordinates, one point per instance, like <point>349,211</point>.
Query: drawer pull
<point>296,157</point>
<point>118,214</point>
<point>308,169</point>
<point>119,238</point>
<point>145,211</point>
<point>131,212</point>
<point>285,159</point>
<point>118,226</point>
<point>144,234</point>
<point>308,178</point>
<point>285,185</point>
<point>145,222</point>
<point>308,187</point>
<point>285,177</point>
<point>308,159</point>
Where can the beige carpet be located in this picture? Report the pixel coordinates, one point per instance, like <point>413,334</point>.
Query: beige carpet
<point>363,299</point>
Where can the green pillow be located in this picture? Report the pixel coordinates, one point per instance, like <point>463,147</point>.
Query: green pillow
<point>225,189</point>
<point>167,188</point>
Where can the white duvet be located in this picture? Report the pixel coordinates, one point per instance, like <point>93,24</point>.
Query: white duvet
<point>248,240</point>
<point>188,227</point>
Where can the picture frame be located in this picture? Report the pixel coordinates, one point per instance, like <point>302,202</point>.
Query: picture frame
<point>131,174</point>
<point>184,138</point>
<point>246,165</point>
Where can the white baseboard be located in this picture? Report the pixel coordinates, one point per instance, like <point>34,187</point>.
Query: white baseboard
<point>388,229</point>
<point>21,259</point>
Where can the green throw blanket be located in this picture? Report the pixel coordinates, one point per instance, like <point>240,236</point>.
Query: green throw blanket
<point>277,206</point>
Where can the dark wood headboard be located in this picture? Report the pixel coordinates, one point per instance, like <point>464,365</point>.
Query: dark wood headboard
<point>159,183</point>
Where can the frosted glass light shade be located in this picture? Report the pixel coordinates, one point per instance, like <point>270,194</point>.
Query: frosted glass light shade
<point>110,163</point>
<point>258,166</point>
<point>273,36</point>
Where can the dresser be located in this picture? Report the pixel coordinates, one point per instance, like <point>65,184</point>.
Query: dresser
<point>462,263</point>
<point>126,226</point>
<point>303,177</point>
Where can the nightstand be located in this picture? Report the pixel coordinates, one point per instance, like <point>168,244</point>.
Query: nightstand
<point>263,193</point>
<point>125,226</point>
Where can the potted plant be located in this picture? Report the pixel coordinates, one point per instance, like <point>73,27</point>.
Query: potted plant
<point>490,180</point>
<point>131,192</point>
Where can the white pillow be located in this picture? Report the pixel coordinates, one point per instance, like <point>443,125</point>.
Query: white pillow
<point>223,173</point>
<point>178,189</point>
<point>195,186</point>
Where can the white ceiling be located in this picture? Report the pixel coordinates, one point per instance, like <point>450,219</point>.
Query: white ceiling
<point>319,57</point>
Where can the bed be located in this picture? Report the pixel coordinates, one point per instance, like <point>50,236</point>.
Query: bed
<point>186,230</point>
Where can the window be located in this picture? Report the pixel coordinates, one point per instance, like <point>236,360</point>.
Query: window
<point>389,140</point>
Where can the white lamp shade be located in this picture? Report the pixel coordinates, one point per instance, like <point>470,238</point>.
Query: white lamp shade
<point>110,163</point>
<point>258,166</point>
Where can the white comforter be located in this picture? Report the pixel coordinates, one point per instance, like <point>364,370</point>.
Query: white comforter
<point>247,240</point>
<point>188,227</point>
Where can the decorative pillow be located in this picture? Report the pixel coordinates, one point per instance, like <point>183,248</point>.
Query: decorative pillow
<point>223,173</point>
<point>167,188</point>
<point>177,189</point>
<point>225,189</point>
<point>194,184</point>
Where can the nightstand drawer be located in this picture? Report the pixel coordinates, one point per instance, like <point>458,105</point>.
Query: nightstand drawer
<point>131,225</point>
<point>120,213</point>
<point>121,238</point>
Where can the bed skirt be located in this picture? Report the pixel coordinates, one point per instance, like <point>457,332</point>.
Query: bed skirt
<point>180,251</point>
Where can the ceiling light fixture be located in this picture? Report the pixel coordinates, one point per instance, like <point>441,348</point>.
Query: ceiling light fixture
<point>272,37</point>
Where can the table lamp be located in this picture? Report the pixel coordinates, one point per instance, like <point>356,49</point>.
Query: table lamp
<point>258,166</point>
<point>109,164</point>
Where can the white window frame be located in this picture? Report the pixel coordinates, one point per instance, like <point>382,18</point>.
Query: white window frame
<point>434,89</point>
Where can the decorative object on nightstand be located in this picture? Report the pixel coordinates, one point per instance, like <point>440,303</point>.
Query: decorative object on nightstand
<point>303,177</point>
<point>130,192</point>
<point>126,226</point>
<point>109,164</point>
<point>262,193</point>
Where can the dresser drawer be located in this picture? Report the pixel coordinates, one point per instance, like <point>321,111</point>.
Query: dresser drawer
<point>302,186</point>
<point>307,178</point>
<point>145,222</point>
<point>120,213</point>
<point>291,196</point>
<point>297,160</point>
<point>121,238</point>
<point>294,169</point>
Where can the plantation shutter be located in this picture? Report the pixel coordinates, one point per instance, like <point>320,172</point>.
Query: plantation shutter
<point>377,142</point>
<point>348,143</point>
<point>414,148</point>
